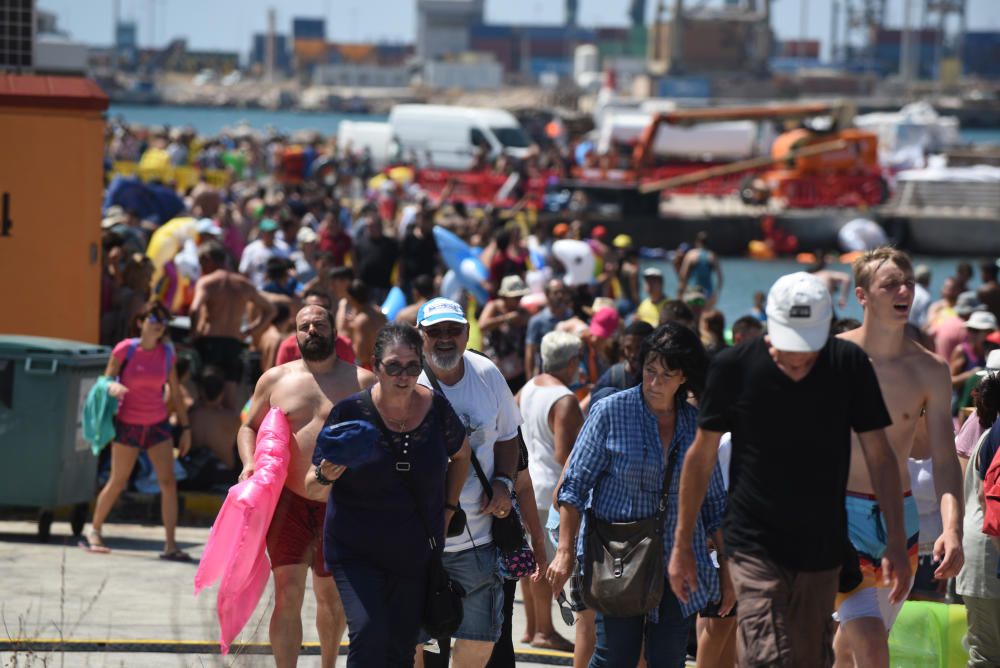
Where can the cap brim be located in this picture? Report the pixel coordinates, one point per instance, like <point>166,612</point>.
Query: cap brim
<point>444,317</point>
<point>798,340</point>
<point>514,293</point>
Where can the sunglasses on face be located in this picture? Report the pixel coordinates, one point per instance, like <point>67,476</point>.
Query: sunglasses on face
<point>445,332</point>
<point>154,319</point>
<point>396,369</point>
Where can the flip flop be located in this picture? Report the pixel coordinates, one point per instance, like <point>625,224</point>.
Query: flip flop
<point>176,555</point>
<point>86,545</point>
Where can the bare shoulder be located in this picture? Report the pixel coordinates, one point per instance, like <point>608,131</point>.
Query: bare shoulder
<point>853,336</point>
<point>927,363</point>
<point>281,373</point>
<point>364,377</point>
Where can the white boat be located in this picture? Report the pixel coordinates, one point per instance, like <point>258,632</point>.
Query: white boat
<point>907,135</point>
<point>944,210</point>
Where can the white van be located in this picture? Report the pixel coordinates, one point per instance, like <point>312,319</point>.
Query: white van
<point>356,136</point>
<point>446,137</point>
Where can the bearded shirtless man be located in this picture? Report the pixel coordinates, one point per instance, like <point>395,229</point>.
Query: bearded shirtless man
<point>305,390</point>
<point>914,383</point>
<point>220,302</point>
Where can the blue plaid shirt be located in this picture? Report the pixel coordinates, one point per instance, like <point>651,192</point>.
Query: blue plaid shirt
<point>617,467</point>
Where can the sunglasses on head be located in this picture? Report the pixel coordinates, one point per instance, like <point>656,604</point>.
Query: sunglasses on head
<point>397,369</point>
<point>445,332</point>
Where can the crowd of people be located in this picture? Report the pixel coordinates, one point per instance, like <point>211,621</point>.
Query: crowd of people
<point>801,472</point>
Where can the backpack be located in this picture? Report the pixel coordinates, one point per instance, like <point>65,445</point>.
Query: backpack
<point>133,344</point>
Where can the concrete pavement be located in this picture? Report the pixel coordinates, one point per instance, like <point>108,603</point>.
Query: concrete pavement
<point>125,605</point>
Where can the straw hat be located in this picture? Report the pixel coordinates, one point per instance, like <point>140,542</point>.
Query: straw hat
<point>513,286</point>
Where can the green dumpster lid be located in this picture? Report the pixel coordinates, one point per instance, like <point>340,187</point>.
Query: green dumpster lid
<point>36,345</point>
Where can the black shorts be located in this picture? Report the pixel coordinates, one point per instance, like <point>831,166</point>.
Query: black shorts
<point>222,352</point>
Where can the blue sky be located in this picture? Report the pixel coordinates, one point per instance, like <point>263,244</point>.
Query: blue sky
<point>228,24</point>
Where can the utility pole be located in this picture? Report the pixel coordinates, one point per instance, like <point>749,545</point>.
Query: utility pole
<point>269,46</point>
<point>834,30</point>
<point>906,48</point>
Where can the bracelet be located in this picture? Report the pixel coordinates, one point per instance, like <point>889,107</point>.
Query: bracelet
<point>453,506</point>
<point>506,481</point>
<point>183,427</point>
<point>320,478</point>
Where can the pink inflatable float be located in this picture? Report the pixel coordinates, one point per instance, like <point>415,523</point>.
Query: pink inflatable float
<point>235,549</point>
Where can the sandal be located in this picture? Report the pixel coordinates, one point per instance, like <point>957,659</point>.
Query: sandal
<point>92,542</point>
<point>176,555</point>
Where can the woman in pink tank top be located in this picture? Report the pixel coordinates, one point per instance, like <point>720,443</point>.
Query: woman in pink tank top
<point>140,368</point>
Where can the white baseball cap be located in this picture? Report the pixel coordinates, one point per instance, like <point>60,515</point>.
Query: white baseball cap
<point>438,310</point>
<point>992,363</point>
<point>799,311</point>
<point>981,320</point>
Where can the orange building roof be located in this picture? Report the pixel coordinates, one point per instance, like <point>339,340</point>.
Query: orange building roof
<point>29,90</point>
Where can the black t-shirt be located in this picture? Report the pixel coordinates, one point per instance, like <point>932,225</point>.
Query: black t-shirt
<point>418,256</point>
<point>376,258</point>
<point>791,448</point>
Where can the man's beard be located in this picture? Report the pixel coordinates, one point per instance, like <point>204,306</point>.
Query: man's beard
<point>446,360</point>
<point>316,348</point>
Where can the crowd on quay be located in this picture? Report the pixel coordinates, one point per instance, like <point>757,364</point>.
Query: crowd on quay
<point>793,465</point>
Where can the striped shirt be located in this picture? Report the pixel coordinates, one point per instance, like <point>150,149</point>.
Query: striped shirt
<point>617,468</point>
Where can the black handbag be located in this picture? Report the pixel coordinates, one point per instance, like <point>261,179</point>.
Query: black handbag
<point>442,610</point>
<point>623,561</point>
<point>508,533</point>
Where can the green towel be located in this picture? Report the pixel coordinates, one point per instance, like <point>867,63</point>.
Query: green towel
<point>98,415</point>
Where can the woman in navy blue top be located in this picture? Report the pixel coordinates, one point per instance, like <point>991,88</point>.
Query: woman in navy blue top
<point>375,542</point>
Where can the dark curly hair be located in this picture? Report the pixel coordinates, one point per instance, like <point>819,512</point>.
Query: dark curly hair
<point>988,399</point>
<point>679,349</point>
<point>394,334</point>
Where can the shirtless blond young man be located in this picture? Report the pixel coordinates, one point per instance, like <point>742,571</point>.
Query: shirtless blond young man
<point>306,390</point>
<point>219,304</point>
<point>914,383</point>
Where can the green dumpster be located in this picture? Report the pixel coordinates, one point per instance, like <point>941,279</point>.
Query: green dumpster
<point>45,460</point>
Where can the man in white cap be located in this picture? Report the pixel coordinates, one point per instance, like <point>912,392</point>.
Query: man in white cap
<point>791,400</point>
<point>480,396</point>
<point>649,308</point>
<point>916,385</point>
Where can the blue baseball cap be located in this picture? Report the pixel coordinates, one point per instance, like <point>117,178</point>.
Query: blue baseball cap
<point>438,310</point>
<point>350,443</point>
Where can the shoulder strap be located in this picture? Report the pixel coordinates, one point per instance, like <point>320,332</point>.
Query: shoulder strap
<point>168,357</point>
<point>366,397</point>
<point>133,344</point>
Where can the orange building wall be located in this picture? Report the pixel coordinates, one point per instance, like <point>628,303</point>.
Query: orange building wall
<point>50,265</point>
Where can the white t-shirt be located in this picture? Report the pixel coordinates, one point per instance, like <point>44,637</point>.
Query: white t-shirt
<point>253,262</point>
<point>486,407</point>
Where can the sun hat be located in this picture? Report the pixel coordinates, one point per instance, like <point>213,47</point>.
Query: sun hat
<point>115,215</point>
<point>268,225</point>
<point>604,324</point>
<point>513,286</point>
<point>966,303</point>
<point>305,235</point>
<point>652,272</point>
<point>981,320</point>
<point>622,241</point>
<point>438,310</point>
<point>992,363</point>
<point>799,310</point>
<point>350,443</point>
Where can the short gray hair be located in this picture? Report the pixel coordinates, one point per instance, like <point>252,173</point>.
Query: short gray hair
<point>557,350</point>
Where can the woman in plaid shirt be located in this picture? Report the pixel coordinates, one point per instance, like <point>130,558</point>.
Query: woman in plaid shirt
<point>617,468</point>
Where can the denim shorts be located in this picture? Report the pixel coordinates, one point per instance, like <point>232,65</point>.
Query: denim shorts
<point>478,572</point>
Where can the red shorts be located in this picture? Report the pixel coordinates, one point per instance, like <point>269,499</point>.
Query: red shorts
<point>296,533</point>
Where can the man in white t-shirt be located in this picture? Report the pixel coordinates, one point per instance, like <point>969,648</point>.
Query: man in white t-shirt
<point>480,396</point>
<point>253,262</point>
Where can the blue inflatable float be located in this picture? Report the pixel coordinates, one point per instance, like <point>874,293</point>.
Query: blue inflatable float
<point>394,303</point>
<point>459,257</point>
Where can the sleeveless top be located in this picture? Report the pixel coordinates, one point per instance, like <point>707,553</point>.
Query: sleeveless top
<point>536,402</point>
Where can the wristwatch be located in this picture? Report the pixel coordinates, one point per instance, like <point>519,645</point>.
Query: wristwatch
<point>507,482</point>
<point>320,478</point>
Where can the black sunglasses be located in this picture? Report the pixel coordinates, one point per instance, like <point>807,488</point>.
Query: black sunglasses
<point>444,332</point>
<point>397,369</point>
<point>567,613</point>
